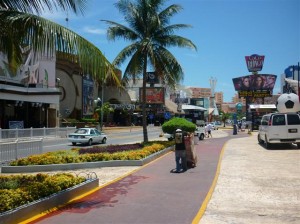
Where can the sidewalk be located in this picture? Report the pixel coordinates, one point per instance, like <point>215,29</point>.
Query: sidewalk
<point>256,185</point>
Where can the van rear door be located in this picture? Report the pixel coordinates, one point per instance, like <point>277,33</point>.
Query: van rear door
<point>293,126</point>
<point>279,128</point>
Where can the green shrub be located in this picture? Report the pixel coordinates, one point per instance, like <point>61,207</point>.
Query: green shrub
<point>175,123</point>
<point>89,120</point>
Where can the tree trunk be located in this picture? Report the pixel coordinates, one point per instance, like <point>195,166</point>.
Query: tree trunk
<point>145,133</point>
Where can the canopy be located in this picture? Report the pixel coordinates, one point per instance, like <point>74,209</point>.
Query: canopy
<point>172,107</point>
<point>192,107</point>
<point>262,106</point>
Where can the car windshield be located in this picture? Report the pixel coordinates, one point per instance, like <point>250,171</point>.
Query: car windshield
<point>81,131</point>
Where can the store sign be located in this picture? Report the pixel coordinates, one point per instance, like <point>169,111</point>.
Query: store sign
<point>122,106</point>
<point>152,78</point>
<point>254,62</point>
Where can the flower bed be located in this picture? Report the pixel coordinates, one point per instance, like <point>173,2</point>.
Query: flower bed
<point>95,154</point>
<point>135,160</point>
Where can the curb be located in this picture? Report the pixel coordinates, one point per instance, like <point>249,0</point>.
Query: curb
<point>87,165</point>
<point>35,208</point>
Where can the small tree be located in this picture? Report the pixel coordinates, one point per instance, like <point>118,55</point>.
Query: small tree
<point>105,109</point>
<point>224,117</point>
<point>181,123</point>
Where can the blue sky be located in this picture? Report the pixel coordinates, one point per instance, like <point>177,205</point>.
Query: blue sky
<point>224,31</point>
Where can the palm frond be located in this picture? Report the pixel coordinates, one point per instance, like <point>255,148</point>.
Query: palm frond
<point>38,6</point>
<point>48,37</point>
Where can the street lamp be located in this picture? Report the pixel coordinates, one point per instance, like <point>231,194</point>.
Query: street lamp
<point>101,111</point>
<point>99,104</point>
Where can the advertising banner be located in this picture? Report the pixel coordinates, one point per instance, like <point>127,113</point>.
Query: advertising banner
<point>255,82</point>
<point>34,71</point>
<point>87,94</point>
<point>155,95</point>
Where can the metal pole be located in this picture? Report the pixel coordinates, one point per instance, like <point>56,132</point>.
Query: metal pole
<point>298,69</point>
<point>101,111</point>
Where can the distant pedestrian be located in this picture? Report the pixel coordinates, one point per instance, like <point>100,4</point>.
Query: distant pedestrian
<point>208,129</point>
<point>180,151</point>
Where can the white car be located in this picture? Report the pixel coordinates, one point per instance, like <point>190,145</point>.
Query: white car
<point>87,136</point>
<point>200,132</point>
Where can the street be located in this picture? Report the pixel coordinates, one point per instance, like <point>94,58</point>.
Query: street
<point>115,136</point>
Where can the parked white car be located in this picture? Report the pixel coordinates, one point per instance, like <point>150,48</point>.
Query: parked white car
<point>87,136</point>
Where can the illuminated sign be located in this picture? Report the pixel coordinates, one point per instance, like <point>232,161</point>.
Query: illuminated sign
<point>255,93</point>
<point>254,62</point>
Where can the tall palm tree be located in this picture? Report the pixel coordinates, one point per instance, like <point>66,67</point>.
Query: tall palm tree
<point>19,27</point>
<point>150,34</point>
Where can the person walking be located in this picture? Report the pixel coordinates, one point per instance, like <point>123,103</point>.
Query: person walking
<point>208,128</point>
<point>180,151</point>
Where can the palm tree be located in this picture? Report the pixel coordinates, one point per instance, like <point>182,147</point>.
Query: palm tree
<point>224,117</point>
<point>19,28</point>
<point>150,34</point>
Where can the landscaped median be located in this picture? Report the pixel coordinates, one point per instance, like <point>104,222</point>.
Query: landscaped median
<point>77,158</point>
<point>92,157</point>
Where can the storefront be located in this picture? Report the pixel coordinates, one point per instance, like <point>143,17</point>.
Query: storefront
<point>256,112</point>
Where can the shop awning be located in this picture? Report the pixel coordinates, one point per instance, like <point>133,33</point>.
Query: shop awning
<point>172,107</point>
<point>40,95</point>
<point>192,107</point>
<point>262,106</point>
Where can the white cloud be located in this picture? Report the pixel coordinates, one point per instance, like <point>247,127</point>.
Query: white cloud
<point>94,30</point>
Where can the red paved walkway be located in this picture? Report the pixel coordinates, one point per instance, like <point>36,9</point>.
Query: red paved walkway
<point>151,195</point>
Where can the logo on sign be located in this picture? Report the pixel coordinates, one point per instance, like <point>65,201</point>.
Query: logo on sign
<point>255,62</point>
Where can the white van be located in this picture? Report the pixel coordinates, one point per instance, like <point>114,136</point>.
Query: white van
<point>279,128</point>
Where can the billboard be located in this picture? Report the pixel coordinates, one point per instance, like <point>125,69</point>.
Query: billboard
<point>255,82</point>
<point>255,62</point>
<point>87,95</point>
<point>154,95</point>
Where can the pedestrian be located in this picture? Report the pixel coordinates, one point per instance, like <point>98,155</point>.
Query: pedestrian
<point>180,151</point>
<point>208,129</point>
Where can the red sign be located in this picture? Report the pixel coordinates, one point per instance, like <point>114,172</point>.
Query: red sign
<point>155,95</point>
<point>255,62</point>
